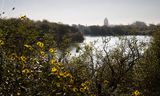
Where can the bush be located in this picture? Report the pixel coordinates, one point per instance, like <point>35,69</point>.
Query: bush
<point>31,64</point>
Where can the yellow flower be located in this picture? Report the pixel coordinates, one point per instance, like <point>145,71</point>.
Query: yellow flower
<point>75,89</point>
<point>82,89</point>
<point>67,74</point>
<point>23,17</point>
<point>83,84</point>
<point>28,46</point>
<point>52,50</point>
<point>23,58</point>
<point>54,70</point>
<point>53,61</point>
<point>13,56</point>
<point>1,42</point>
<point>26,71</point>
<point>42,52</point>
<point>40,44</point>
<point>86,88</point>
<point>61,74</point>
<point>105,81</point>
<point>87,83</point>
<point>136,93</point>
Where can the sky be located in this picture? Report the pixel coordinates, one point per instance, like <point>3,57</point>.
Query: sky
<point>85,12</point>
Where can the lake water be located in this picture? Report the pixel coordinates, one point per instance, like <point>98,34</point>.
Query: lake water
<point>112,42</point>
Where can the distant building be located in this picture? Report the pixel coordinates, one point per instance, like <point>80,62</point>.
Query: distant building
<point>139,24</point>
<point>106,22</point>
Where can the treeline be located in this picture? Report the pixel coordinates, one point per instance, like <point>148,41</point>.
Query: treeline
<point>137,28</point>
<point>40,30</point>
<point>60,30</point>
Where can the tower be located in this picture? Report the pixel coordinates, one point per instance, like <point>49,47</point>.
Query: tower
<point>106,22</point>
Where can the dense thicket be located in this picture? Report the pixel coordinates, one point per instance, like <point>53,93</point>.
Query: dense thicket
<point>150,67</point>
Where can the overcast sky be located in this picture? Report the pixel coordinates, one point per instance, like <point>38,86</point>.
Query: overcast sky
<point>90,12</point>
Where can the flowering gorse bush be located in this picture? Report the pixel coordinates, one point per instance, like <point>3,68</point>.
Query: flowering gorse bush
<point>38,74</point>
<point>30,64</point>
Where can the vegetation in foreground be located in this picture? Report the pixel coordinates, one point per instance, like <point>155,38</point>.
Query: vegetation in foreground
<point>31,65</point>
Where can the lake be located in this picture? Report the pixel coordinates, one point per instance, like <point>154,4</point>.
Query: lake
<point>112,42</point>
